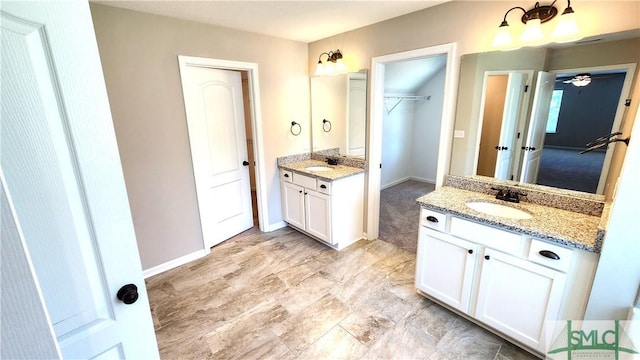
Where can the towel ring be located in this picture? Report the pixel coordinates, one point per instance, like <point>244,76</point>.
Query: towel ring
<point>324,125</point>
<point>293,125</point>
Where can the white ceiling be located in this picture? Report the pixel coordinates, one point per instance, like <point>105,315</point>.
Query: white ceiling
<point>407,77</point>
<point>299,20</point>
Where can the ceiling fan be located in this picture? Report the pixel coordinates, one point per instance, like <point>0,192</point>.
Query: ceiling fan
<point>579,80</point>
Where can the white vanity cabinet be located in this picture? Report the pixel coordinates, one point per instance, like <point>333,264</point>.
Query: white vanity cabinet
<point>329,211</point>
<point>508,282</point>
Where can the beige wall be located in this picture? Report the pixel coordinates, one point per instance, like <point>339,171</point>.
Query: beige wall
<point>139,57</point>
<point>470,24</point>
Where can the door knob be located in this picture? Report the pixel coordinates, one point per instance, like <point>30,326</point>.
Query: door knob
<point>128,294</point>
<point>245,163</point>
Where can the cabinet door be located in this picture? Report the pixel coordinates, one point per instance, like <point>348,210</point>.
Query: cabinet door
<point>318,215</point>
<point>293,204</point>
<point>516,296</point>
<point>445,267</point>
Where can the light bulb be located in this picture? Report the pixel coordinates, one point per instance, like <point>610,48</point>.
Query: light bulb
<point>532,31</point>
<point>567,29</point>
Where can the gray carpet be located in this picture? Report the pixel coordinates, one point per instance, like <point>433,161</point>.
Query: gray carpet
<point>568,169</point>
<point>399,213</point>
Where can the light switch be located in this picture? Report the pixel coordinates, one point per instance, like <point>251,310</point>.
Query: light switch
<point>458,134</point>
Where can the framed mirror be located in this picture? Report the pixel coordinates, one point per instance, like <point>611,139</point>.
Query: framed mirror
<point>339,113</point>
<point>528,122</point>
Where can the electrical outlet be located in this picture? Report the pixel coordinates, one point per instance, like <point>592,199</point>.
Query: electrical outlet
<point>458,134</point>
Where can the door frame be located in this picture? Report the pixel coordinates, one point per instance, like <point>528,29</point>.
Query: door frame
<point>630,69</point>
<point>256,123</point>
<point>374,138</point>
<point>521,123</point>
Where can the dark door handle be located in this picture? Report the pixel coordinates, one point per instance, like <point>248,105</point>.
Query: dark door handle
<point>497,147</point>
<point>245,163</point>
<point>432,219</point>
<point>549,254</point>
<point>470,251</point>
<point>487,257</point>
<point>128,294</point>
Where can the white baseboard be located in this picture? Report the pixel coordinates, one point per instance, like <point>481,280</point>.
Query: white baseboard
<point>174,263</point>
<point>428,181</point>
<point>274,227</point>
<point>396,182</point>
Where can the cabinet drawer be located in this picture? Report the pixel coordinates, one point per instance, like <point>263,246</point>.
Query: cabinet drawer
<point>286,175</point>
<point>433,219</point>
<point>553,256</point>
<point>305,181</point>
<point>500,240</point>
<point>324,186</point>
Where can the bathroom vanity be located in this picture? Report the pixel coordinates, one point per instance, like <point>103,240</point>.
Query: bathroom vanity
<point>514,271</point>
<point>323,201</point>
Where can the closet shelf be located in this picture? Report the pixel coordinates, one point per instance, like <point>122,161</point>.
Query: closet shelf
<point>401,98</point>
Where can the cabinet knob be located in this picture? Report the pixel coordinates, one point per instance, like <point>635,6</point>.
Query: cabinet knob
<point>487,257</point>
<point>549,254</point>
<point>286,175</point>
<point>323,186</point>
<point>300,191</point>
<point>432,219</point>
<point>470,251</point>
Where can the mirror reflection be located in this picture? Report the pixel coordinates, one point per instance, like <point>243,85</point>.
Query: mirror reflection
<point>338,113</point>
<point>536,110</point>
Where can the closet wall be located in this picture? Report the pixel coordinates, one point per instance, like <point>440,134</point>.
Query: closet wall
<point>411,134</point>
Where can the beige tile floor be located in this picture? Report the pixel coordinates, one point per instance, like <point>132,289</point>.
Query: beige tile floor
<point>283,295</point>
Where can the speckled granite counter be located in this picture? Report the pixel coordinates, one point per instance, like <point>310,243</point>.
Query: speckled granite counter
<point>336,172</point>
<point>568,228</point>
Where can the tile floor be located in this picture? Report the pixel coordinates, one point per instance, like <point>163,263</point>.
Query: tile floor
<point>283,295</point>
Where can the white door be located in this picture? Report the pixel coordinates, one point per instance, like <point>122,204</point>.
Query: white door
<point>516,296</point>
<point>512,105</point>
<point>537,127</point>
<point>63,177</point>
<point>215,119</point>
<point>445,268</point>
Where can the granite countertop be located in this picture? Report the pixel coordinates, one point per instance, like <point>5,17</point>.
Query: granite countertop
<point>567,228</point>
<point>336,172</point>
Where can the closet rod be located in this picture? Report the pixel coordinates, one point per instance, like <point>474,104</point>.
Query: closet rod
<point>407,97</point>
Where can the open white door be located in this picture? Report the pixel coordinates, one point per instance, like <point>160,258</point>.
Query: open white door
<point>537,127</point>
<point>64,186</point>
<point>512,106</point>
<point>215,119</point>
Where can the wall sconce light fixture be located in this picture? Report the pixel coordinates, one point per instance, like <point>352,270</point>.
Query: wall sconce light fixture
<point>332,64</point>
<point>566,30</point>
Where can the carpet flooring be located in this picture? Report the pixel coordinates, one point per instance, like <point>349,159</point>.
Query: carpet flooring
<point>399,213</point>
<point>568,169</point>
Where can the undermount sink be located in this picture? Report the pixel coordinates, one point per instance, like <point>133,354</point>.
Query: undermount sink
<point>498,210</point>
<point>319,168</point>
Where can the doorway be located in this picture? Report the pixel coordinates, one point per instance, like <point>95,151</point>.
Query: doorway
<point>250,133</point>
<point>378,109</point>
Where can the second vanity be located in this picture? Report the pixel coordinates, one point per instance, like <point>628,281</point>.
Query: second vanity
<point>512,274</point>
<point>323,201</point>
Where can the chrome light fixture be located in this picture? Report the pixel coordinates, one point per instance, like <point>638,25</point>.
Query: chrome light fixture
<point>566,29</point>
<point>333,63</point>
<point>579,80</point>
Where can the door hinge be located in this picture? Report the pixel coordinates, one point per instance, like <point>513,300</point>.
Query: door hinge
<point>526,88</point>
<point>511,177</point>
<point>380,166</point>
<point>627,102</point>
<point>518,137</point>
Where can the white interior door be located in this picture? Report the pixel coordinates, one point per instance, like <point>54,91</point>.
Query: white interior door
<point>512,107</point>
<point>537,127</point>
<point>215,118</point>
<point>62,179</point>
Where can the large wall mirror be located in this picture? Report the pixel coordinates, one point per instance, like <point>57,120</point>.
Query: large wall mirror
<point>531,113</point>
<point>339,113</point>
